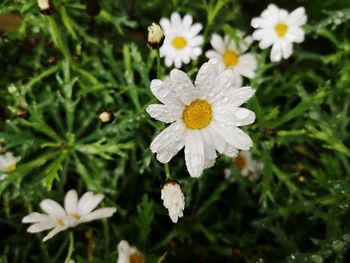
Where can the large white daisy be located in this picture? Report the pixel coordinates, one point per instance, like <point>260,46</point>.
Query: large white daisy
<point>280,29</point>
<point>204,117</point>
<point>232,56</point>
<point>182,42</point>
<point>75,212</point>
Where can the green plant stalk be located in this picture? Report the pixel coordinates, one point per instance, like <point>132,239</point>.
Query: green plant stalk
<point>167,171</point>
<point>70,248</point>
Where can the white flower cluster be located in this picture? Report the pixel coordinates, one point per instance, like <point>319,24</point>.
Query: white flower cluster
<point>173,199</point>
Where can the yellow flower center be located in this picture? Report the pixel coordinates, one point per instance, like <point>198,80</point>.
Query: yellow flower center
<point>10,167</point>
<point>69,220</point>
<point>179,42</point>
<point>197,115</point>
<point>230,58</point>
<point>240,162</point>
<point>135,258</point>
<point>281,29</point>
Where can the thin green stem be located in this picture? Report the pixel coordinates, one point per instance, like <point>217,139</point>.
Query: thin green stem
<point>167,171</point>
<point>71,247</point>
<point>159,69</point>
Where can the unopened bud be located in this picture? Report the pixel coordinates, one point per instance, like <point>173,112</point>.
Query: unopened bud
<point>155,36</point>
<point>106,116</point>
<point>45,6</point>
<point>22,113</point>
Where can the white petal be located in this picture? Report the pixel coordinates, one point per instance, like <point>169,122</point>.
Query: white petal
<point>220,144</point>
<point>243,116</point>
<point>297,17</point>
<point>235,97</point>
<point>276,53</point>
<point>287,50</point>
<point>177,62</point>
<point>52,208</point>
<point>88,202</point>
<point>217,43</point>
<point>187,21</point>
<point>209,149</point>
<point>212,54</point>
<point>175,20</point>
<point>38,227</point>
<point>166,26</point>
<point>230,151</point>
<point>196,41</point>
<point>54,231</point>
<point>98,214</point>
<point>183,85</point>
<point>247,65</point>
<point>195,29</point>
<point>194,153</point>
<point>295,34</point>
<point>168,61</point>
<point>169,142</point>
<point>164,113</point>
<point>206,76</point>
<point>71,202</point>
<point>163,91</point>
<point>235,137</point>
<point>36,218</point>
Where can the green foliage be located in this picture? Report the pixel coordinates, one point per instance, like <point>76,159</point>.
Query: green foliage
<point>66,67</point>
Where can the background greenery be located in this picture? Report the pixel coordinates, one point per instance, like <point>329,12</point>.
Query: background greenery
<point>67,67</point>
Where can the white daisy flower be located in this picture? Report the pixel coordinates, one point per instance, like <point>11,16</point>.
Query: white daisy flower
<point>182,42</point>
<point>8,163</point>
<point>280,29</point>
<point>75,212</point>
<point>128,254</point>
<point>247,166</point>
<point>204,116</point>
<point>173,199</point>
<point>231,56</point>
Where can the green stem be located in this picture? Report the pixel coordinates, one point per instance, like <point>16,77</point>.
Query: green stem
<point>159,69</point>
<point>167,171</point>
<point>71,247</point>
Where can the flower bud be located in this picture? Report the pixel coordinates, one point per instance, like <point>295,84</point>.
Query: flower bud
<point>106,116</point>
<point>155,36</point>
<point>22,113</point>
<point>45,6</point>
<point>173,199</point>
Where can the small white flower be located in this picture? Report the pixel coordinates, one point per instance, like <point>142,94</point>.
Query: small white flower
<point>204,117</point>
<point>247,166</point>
<point>182,42</point>
<point>128,254</point>
<point>231,56</point>
<point>155,36</point>
<point>75,212</point>
<point>45,6</point>
<point>280,29</point>
<point>8,163</point>
<point>173,199</point>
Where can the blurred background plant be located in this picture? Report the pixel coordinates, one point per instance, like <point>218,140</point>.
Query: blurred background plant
<point>60,71</point>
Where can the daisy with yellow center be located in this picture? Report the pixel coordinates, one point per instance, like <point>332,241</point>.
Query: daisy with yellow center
<point>231,56</point>
<point>182,42</point>
<point>8,163</point>
<point>204,117</point>
<point>129,254</point>
<point>75,212</point>
<point>279,29</point>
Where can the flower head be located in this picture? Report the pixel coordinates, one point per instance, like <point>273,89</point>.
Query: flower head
<point>45,6</point>
<point>280,29</point>
<point>204,117</point>
<point>155,36</point>
<point>8,163</point>
<point>232,56</point>
<point>173,199</point>
<point>128,254</point>
<point>247,166</point>
<point>182,42</point>
<point>74,213</point>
